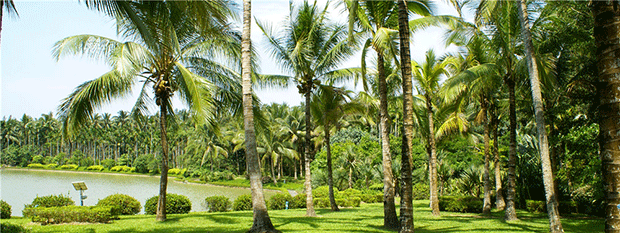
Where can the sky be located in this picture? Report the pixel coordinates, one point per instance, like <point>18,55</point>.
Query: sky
<point>34,83</point>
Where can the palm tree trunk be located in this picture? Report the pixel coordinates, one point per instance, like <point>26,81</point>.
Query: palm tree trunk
<point>434,199</point>
<point>552,203</point>
<point>511,212</point>
<point>163,182</point>
<point>486,207</point>
<point>351,177</point>
<point>330,180</point>
<point>389,209</point>
<point>606,17</point>
<point>262,222</point>
<point>307,155</point>
<point>273,174</point>
<point>499,192</point>
<point>406,207</point>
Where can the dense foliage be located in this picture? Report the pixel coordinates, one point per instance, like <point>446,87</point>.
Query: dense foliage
<point>121,204</point>
<point>175,204</point>
<point>5,210</point>
<point>69,214</point>
<point>217,203</point>
<point>243,202</point>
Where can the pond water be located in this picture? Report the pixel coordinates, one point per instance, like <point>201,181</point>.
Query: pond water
<point>19,187</point>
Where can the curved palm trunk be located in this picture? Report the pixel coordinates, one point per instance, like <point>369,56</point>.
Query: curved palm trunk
<point>273,173</point>
<point>330,181</point>
<point>262,222</point>
<point>163,182</point>
<point>486,207</point>
<point>406,208</point>
<point>434,199</point>
<point>606,17</point>
<point>389,209</point>
<point>511,213</point>
<point>552,203</point>
<point>307,155</point>
<point>499,191</point>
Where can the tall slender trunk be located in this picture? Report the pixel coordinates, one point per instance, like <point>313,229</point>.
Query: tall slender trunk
<point>552,203</point>
<point>307,155</point>
<point>499,191</point>
<point>390,218</point>
<point>351,177</point>
<point>261,220</point>
<point>273,174</point>
<point>511,213</point>
<point>606,31</point>
<point>406,207</point>
<point>486,206</point>
<point>163,182</point>
<point>434,199</point>
<point>330,180</point>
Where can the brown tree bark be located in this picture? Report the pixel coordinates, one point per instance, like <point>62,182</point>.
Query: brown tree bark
<point>261,220</point>
<point>308,154</point>
<point>406,207</point>
<point>500,204</point>
<point>606,34</point>
<point>162,96</point>
<point>552,203</point>
<point>486,206</point>
<point>330,180</point>
<point>511,213</point>
<point>432,164</point>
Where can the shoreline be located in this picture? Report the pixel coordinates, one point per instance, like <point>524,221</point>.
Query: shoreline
<point>128,174</point>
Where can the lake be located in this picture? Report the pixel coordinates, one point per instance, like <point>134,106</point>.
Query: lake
<point>19,187</point>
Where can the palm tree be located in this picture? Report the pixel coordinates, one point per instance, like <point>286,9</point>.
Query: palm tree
<point>10,8</point>
<point>311,48</point>
<point>329,106</point>
<point>262,222</point>
<point>552,203</point>
<point>165,44</point>
<point>606,37</point>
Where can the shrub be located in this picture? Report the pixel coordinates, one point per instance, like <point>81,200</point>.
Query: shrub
<point>175,204</point>
<point>321,202</point>
<point>463,204</point>
<point>298,201</point>
<point>349,193</point>
<point>535,206</point>
<point>67,214</point>
<point>51,166</point>
<point>567,207</point>
<point>278,201</point>
<point>420,191</point>
<point>37,159</point>
<point>108,163</point>
<point>11,228</point>
<point>51,201</point>
<point>121,204</point>
<point>69,167</point>
<point>120,169</point>
<point>95,168</point>
<point>376,187</point>
<point>243,202</point>
<point>36,165</point>
<point>368,198</point>
<point>322,192</point>
<point>174,171</point>
<point>217,203</point>
<point>5,210</point>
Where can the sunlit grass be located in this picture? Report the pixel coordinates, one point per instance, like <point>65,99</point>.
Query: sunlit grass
<point>367,218</point>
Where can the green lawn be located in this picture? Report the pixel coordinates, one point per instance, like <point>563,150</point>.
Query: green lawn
<point>367,218</point>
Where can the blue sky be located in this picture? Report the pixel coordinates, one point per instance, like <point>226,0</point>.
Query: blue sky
<point>33,83</point>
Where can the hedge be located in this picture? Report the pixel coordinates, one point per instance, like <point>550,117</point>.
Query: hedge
<point>175,204</point>
<point>217,203</point>
<point>243,202</point>
<point>120,169</point>
<point>298,201</point>
<point>5,210</point>
<point>67,214</point>
<point>279,200</point>
<point>121,204</point>
<point>11,228</point>
<point>535,206</point>
<point>36,165</point>
<point>95,168</point>
<point>463,204</point>
<point>69,167</point>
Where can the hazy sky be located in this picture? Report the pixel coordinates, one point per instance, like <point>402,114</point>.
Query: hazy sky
<point>33,83</point>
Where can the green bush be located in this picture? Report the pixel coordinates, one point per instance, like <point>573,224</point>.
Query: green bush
<point>567,207</point>
<point>243,202</point>
<point>348,193</point>
<point>278,201</point>
<point>217,203</point>
<point>351,202</point>
<point>368,198</point>
<point>420,191</point>
<point>11,228</point>
<point>37,159</point>
<point>298,201</point>
<point>535,206</point>
<point>5,210</point>
<point>50,201</point>
<point>120,169</point>
<point>322,192</point>
<point>321,202</point>
<point>67,214</point>
<point>175,204</point>
<point>95,168</point>
<point>121,204</point>
<point>69,167</point>
<point>463,204</point>
<point>36,165</point>
<point>108,163</point>
<point>376,187</point>
<point>51,166</point>
<point>174,171</point>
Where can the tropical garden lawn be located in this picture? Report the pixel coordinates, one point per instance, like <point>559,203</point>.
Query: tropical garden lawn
<point>366,218</point>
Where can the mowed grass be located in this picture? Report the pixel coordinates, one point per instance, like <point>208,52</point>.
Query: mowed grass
<point>367,218</point>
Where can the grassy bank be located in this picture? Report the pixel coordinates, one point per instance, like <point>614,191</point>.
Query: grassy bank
<point>367,218</point>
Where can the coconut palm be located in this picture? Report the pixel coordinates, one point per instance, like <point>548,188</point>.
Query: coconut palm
<point>606,36</point>
<point>552,203</point>
<point>311,48</point>
<point>329,106</point>
<point>9,5</point>
<point>166,45</point>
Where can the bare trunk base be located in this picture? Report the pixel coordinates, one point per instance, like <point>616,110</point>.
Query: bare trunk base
<point>262,224</point>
